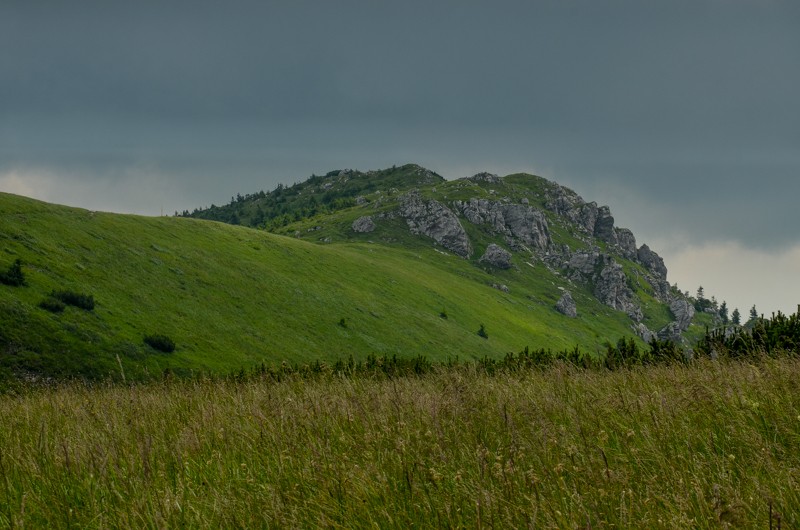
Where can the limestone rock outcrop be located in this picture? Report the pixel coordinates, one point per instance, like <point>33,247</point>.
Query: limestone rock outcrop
<point>683,312</point>
<point>652,261</point>
<point>433,219</point>
<point>611,288</point>
<point>566,305</point>
<point>484,177</point>
<point>497,256</point>
<point>645,333</point>
<point>363,224</point>
<point>609,280</point>
<point>515,221</point>
<point>626,242</point>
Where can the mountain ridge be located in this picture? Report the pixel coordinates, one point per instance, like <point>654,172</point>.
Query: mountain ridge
<point>587,245</point>
<point>351,279</point>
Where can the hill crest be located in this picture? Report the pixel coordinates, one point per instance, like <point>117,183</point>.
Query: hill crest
<point>492,221</point>
<point>393,262</point>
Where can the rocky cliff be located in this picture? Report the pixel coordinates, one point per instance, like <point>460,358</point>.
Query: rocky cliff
<point>500,224</point>
<point>522,225</point>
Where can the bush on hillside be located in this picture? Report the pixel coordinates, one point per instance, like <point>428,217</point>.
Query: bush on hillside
<point>14,275</point>
<point>161,343</point>
<point>482,332</point>
<point>52,305</point>
<point>72,298</point>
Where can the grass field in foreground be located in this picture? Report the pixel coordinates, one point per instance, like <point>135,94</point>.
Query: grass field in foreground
<point>708,445</point>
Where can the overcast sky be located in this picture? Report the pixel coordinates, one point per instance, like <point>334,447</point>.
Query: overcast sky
<point>683,116</point>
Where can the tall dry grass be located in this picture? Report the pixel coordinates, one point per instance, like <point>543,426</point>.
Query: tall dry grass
<point>709,445</point>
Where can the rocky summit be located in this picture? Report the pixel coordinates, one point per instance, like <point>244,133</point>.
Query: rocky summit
<point>515,224</point>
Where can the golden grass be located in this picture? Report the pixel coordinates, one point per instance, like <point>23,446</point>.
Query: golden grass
<point>710,445</point>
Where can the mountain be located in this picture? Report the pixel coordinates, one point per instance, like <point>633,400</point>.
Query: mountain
<point>393,262</point>
<point>496,223</point>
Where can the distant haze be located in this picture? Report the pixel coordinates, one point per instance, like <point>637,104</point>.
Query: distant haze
<point>682,116</point>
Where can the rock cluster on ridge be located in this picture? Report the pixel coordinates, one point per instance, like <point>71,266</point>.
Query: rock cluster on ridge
<point>521,219</point>
<point>519,223</point>
<point>524,228</point>
<point>433,219</point>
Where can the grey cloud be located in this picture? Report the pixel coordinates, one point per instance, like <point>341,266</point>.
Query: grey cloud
<point>690,106</point>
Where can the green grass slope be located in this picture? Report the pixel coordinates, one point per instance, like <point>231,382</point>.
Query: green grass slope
<point>232,297</point>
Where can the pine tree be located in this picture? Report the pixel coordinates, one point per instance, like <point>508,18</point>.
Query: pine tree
<point>753,313</point>
<point>736,317</point>
<point>723,312</point>
<point>14,276</point>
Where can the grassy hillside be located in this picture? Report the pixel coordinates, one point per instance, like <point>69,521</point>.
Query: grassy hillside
<point>708,445</point>
<point>233,297</point>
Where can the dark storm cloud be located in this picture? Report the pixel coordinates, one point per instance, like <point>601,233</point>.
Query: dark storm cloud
<point>688,107</point>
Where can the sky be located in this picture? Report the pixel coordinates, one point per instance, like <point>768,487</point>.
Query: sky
<point>682,115</point>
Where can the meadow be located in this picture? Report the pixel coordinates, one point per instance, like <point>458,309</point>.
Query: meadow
<point>708,444</point>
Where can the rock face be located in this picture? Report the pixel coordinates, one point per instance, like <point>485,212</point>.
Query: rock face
<point>611,288</point>
<point>626,243</point>
<point>515,221</point>
<point>608,278</point>
<point>364,224</point>
<point>587,216</point>
<point>566,305</point>
<point>517,224</point>
<point>683,311</point>
<point>497,256</point>
<point>435,220</point>
<point>652,261</point>
<point>604,225</point>
<point>643,332</point>
<point>671,332</point>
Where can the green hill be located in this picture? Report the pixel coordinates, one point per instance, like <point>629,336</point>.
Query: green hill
<point>232,297</point>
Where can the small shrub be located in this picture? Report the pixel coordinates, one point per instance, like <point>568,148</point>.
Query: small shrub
<point>443,314</point>
<point>161,343</point>
<point>343,322</point>
<point>14,275</point>
<point>482,332</point>
<point>52,305</point>
<point>72,298</point>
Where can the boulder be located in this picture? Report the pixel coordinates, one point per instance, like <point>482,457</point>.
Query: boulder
<point>364,224</point>
<point>643,332</point>
<point>566,305</point>
<point>500,287</point>
<point>433,219</point>
<point>652,261</point>
<point>497,256</point>
<point>683,311</point>
<point>671,332</point>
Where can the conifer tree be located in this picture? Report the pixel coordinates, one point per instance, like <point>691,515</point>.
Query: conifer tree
<point>736,317</point>
<point>723,312</point>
